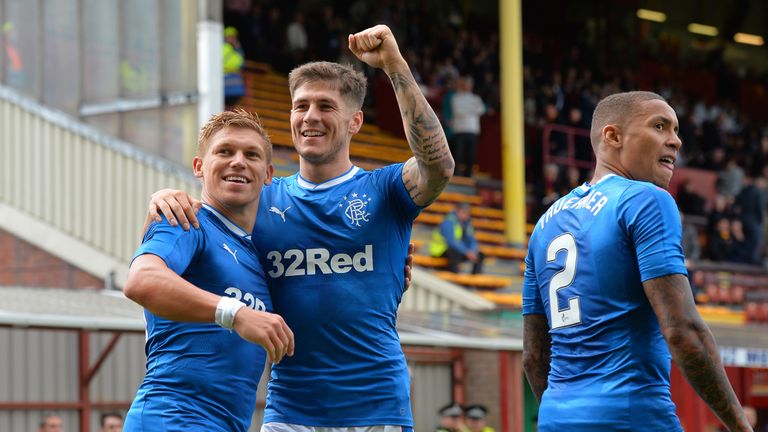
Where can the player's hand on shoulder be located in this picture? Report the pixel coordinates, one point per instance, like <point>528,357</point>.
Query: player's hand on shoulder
<point>377,47</point>
<point>177,206</point>
<point>408,266</point>
<point>266,329</point>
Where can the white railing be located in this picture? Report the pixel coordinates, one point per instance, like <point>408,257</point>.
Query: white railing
<point>66,183</point>
<point>86,184</point>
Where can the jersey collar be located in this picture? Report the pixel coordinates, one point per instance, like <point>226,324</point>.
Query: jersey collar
<point>306,184</point>
<point>228,223</point>
<point>585,187</point>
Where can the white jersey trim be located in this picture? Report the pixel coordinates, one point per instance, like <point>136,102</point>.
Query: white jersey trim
<point>306,184</point>
<point>229,224</point>
<point>585,187</point>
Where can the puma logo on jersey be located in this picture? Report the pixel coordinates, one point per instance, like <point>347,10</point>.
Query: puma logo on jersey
<point>231,252</point>
<point>277,211</point>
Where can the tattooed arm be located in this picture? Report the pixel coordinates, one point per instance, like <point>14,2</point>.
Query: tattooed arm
<point>536,352</point>
<point>693,347</point>
<point>429,170</point>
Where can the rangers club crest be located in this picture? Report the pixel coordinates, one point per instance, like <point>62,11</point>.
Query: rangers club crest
<point>356,208</point>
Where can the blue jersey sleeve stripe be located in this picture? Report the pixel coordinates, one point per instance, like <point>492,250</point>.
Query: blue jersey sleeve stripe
<point>532,303</point>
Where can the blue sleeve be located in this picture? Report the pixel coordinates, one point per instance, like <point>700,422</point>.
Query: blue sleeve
<point>172,244</point>
<point>651,221</point>
<point>446,229</point>
<point>393,176</point>
<point>472,240</point>
<point>532,303</point>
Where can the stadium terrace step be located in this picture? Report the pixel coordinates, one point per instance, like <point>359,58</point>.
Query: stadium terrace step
<point>475,211</point>
<point>504,252</point>
<point>428,261</point>
<point>258,67</point>
<point>509,300</point>
<point>475,280</point>
<point>260,82</point>
<point>261,103</point>
<point>456,197</point>
<point>489,237</point>
<point>276,94</point>
<point>357,149</point>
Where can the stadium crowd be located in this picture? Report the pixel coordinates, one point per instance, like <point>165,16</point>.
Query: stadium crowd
<point>562,84</point>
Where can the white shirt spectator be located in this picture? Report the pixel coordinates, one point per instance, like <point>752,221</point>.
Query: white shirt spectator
<point>467,109</point>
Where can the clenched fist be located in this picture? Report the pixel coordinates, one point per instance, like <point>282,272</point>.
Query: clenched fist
<point>377,47</point>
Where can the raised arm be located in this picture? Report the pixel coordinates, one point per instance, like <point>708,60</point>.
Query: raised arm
<point>161,291</point>
<point>693,347</point>
<point>536,352</point>
<point>431,167</point>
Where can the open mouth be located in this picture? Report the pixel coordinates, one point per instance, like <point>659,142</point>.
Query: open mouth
<point>312,134</point>
<point>236,179</point>
<point>668,162</point>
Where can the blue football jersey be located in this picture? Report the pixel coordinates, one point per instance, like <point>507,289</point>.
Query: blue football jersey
<point>587,258</point>
<point>334,255</point>
<point>202,377</point>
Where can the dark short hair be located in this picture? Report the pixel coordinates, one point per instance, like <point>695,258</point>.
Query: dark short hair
<point>107,415</point>
<point>350,83</point>
<point>616,109</point>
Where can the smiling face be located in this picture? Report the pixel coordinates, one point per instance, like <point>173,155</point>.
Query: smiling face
<point>649,143</point>
<point>234,168</point>
<point>323,123</point>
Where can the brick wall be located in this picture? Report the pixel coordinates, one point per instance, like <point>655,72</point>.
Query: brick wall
<point>23,264</point>
<point>481,381</point>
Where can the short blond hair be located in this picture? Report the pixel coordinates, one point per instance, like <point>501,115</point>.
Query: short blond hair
<point>350,83</point>
<point>617,109</point>
<point>238,118</point>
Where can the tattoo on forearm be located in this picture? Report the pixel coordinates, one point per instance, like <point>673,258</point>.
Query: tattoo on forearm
<point>536,353</point>
<point>693,347</point>
<point>425,137</point>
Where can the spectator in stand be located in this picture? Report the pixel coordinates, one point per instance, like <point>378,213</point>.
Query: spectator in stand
<point>232,59</point>
<point>547,189</point>
<point>730,179</point>
<point>296,39</point>
<point>750,207</point>
<point>573,179</point>
<point>741,249</point>
<point>455,239</point>
<point>467,108</point>
<point>690,241</point>
<point>688,200</point>
<point>719,240</point>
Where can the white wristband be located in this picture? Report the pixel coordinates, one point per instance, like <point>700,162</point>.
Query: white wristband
<point>226,311</point>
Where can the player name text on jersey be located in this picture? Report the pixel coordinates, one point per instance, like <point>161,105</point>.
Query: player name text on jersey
<point>594,201</point>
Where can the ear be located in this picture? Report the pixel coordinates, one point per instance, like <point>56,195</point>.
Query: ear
<point>197,166</point>
<point>356,123</point>
<point>270,173</point>
<point>612,136</point>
